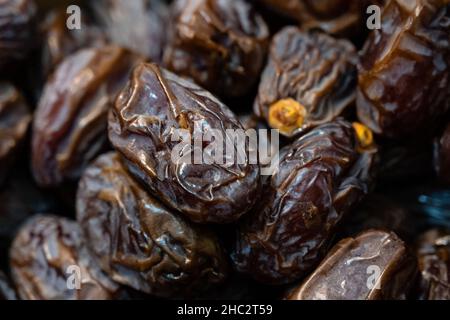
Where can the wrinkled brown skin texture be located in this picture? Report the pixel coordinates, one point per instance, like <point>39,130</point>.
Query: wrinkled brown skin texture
<point>337,17</point>
<point>442,156</point>
<point>312,68</point>
<point>220,44</point>
<point>404,75</point>
<point>320,178</point>
<point>154,103</point>
<point>15,118</point>
<point>344,274</point>
<point>59,41</point>
<point>43,250</point>
<point>6,291</point>
<point>434,264</point>
<point>17,27</point>
<point>70,123</point>
<point>377,212</point>
<point>139,25</point>
<point>139,242</point>
<point>20,199</point>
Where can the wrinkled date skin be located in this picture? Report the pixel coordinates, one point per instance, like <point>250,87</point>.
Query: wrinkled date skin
<point>70,123</point>
<point>345,272</point>
<point>139,25</point>
<point>434,264</point>
<point>59,41</point>
<point>320,177</point>
<point>442,156</point>
<point>15,118</point>
<point>310,79</point>
<point>404,76</point>
<point>6,291</point>
<point>220,44</point>
<point>139,242</point>
<point>41,255</point>
<point>337,17</point>
<point>17,26</point>
<point>150,108</point>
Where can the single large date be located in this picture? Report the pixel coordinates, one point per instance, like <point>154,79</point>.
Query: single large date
<point>138,241</point>
<point>320,177</point>
<point>220,44</point>
<point>49,261</point>
<point>404,76</point>
<point>70,123</point>
<point>310,79</point>
<point>375,265</point>
<point>155,107</point>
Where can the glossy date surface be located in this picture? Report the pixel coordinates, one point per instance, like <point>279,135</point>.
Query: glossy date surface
<point>320,177</point>
<point>404,74</point>
<point>375,265</point>
<point>434,264</point>
<point>49,261</point>
<point>220,44</point>
<point>138,241</point>
<point>310,79</point>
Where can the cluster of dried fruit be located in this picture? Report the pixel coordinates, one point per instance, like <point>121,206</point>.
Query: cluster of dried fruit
<point>105,102</point>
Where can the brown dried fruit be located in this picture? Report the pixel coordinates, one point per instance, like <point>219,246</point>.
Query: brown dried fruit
<point>140,243</point>
<point>220,44</point>
<point>404,78</point>
<point>320,177</point>
<point>375,265</point>
<point>150,108</point>
<point>70,123</point>
<point>310,79</point>
<point>47,255</point>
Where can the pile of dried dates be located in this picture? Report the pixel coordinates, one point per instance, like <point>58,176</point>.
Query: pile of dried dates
<point>133,134</point>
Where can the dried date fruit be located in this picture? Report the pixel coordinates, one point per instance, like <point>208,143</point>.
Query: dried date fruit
<point>60,41</point>
<point>375,265</point>
<point>434,264</point>
<point>48,254</point>
<point>378,212</point>
<point>220,44</point>
<point>17,27</point>
<point>156,103</point>
<point>139,25</point>
<point>320,177</point>
<point>442,156</point>
<point>310,79</point>
<point>70,123</point>
<point>15,118</point>
<point>404,76</point>
<point>337,17</point>
<point>138,241</point>
<point>6,291</point>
